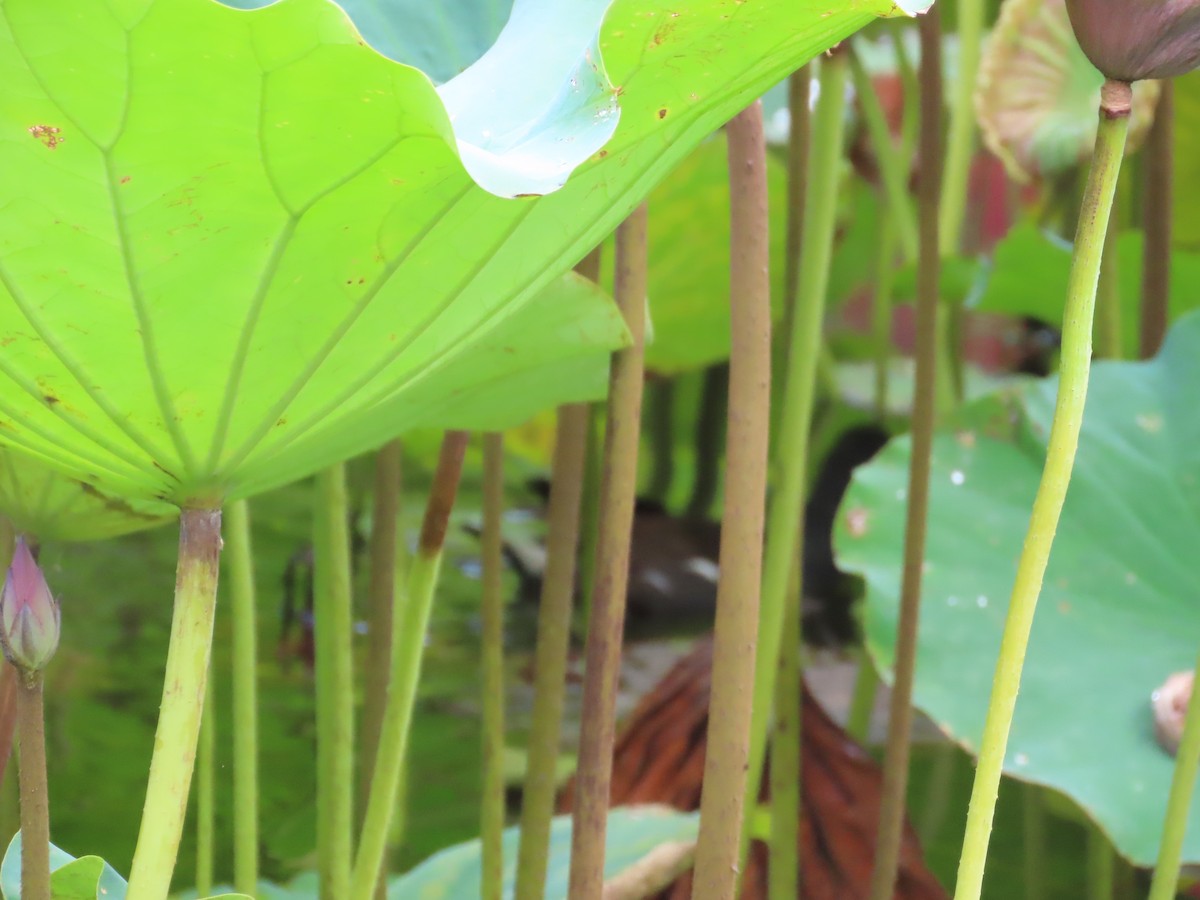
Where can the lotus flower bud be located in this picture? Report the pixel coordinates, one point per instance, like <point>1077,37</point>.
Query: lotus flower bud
<point>1128,40</point>
<point>29,614</point>
<point>1170,703</point>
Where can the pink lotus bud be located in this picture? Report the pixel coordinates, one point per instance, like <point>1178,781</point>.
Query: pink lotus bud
<point>29,614</point>
<point>1128,40</point>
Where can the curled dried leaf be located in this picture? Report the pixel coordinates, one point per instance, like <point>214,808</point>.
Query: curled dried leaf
<point>1037,93</point>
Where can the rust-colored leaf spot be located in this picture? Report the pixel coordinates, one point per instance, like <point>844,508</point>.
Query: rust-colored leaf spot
<point>662,113</point>
<point>50,135</point>
<point>602,154</point>
<point>659,758</point>
<point>125,179</point>
<point>50,399</point>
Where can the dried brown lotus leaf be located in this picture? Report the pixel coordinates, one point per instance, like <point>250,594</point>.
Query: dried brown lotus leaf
<point>1038,95</point>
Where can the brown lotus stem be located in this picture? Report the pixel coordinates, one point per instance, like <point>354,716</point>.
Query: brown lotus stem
<point>736,631</point>
<point>896,758</point>
<point>607,617</point>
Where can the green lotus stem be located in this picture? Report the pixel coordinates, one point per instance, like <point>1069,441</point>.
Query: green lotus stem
<point>384,551</point>
<point>900,711</point>
<point>893,161</point>
<point>1108,300</point>
<point>206,764</point>
<point>911,90</point>
<point>881,313</point>
<point>35,798</point>
<point>799,139</point>
<point>660,430</point>
<point>245,697</point>
<point>492,664</point>
<point>1157,191</point>
<point>617,494</point>
<point>553,643</point>
<point>935,805</point>
<point>960,141</point>
<point>956,176</point>
<point>1183,783</point>
<point>862,700</point>
<point>1033,837</point>
<point>722,802</point>
<point>182,701</point>
<point>589,267</point>
<point>1101,864</point>
<point>791,447</point>
<point>332,612</point>
<point>408,645</point>
<point>783,870</point>
<point>1060,457</point>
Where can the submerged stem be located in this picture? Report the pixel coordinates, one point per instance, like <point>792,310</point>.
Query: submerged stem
<point>1060,458</point>
<point>553,642</point>
<point>900,711</point>
<point>607,615</point>
<point>35,800</point>
<point>722,802</point>
<point>182,700</point>
<point>245,699</point>
<point>334,633</point>
<point>1183,783</point>
<point>492,655</point>
<point>408,644</point>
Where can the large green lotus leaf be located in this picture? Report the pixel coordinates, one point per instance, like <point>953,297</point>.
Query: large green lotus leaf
<point>1118,611</point>
<point>576,324</point>
<point>440,39</point>
<point>229,236</point>
<point>86,878</point>
<point>41,501</point>
<point>453,873</point>
<point>633,831</point>
<point>1029,275</point>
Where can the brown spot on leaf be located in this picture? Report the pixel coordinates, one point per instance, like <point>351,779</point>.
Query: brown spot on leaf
<point>50,135</point>
<point>125,179</point>
<point>662,113</point>
<point>50,399</point>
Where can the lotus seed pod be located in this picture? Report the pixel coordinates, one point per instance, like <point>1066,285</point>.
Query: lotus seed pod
<point>1128,40</point>
<point>29,614</point>
<point>1170,703</point>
